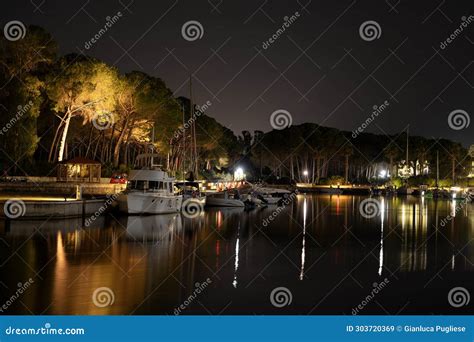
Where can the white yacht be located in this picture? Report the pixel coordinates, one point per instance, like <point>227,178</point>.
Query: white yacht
<point>224,199</point>
<point>150,192</point>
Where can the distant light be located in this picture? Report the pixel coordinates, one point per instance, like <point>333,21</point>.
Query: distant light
<point>423,193</point>
<point>305,172</point>
<point>239,174</point>
<point>383,174</point>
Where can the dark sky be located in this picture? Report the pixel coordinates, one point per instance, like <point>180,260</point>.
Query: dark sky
<point>320,69</point>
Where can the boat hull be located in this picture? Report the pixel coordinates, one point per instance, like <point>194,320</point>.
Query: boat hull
<point>198,200</point>
<point>148,203</point>
<point>224,202</point>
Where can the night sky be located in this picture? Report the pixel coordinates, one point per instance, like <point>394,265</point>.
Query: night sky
<point>320,69</point>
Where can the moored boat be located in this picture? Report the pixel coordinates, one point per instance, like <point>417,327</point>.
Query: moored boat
<point>191,192</point>
<point>224,199</point>
<point>150,192</point>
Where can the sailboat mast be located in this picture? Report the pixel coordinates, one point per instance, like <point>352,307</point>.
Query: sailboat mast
<point>437,167</point>
<point>152,144</point>
<point>408,127</point>
<point>194,162</point>
<point>183,163</point>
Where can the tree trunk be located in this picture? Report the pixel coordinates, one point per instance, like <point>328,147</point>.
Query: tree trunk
<point>62,144</point>
<point>347,168</point>
<point>453,168</point>
<point>118,144</point>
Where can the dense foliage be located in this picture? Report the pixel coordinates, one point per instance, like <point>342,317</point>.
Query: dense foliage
<point>54,108</point>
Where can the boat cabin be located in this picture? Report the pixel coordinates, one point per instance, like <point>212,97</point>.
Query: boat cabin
<point>151,180</point>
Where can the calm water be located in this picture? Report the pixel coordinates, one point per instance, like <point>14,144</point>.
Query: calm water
<point>319,247</point>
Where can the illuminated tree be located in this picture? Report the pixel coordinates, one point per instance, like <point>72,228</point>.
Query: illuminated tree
<point>83,87</point>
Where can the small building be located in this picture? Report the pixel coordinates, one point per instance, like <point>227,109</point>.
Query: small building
<point>80,170</point>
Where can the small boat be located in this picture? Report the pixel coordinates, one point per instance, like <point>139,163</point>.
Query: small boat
<point>224,199</point>
<point>150,192</point>
<point>458,195</point>
<point>439,193</point>
<point>191,192</point>
<point>269,196</point>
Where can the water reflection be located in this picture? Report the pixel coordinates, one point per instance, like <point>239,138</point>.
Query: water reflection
<point>152,263</point>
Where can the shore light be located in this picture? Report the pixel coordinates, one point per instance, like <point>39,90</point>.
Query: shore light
<point>239,174</point>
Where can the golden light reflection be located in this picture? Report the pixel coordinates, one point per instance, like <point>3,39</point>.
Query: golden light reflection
<point>303,247</point>
<point>236,263</point>
<point>382,218</point>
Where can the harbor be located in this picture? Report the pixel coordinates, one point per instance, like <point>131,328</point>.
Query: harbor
<point>173,158</point>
